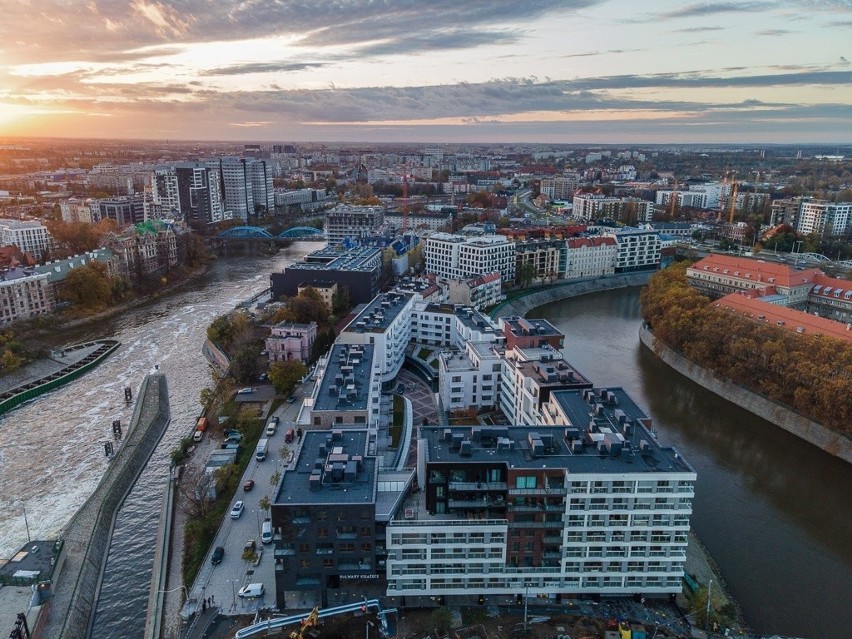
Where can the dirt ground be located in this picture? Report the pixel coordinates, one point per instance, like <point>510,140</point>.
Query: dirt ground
<point>414,625</point>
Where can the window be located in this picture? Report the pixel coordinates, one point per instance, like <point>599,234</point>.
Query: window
<point>304,548</point>
<point>305,563</point>
<point>525,482</point>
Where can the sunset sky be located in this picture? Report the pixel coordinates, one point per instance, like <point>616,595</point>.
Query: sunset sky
<point>431,70</point>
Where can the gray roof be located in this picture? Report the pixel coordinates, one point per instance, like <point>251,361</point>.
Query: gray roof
<point>609,447</point>
<point>59,269</point>
<point>346,382</point>
<point>469,316</point>
<point>379,313</point>
<point>336,459</point>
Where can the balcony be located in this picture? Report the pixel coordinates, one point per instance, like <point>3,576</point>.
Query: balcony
<point>479,486</point>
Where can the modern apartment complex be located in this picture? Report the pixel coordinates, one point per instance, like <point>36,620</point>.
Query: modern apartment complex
<point>588,207</point>
<point>29,236</point>
<point>638,249</point>
<point>559,188</point>
<point>357,271</point>
<point>826,219</point>
<point>345,223</point>
<point>591,506</point>
<point>384,324</point>
<point>591,257</point>
<point>458,257</point>
<point>349,388</point>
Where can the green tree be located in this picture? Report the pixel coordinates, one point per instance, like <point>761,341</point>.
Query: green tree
<point>285,375</point>
<point>441,620</point>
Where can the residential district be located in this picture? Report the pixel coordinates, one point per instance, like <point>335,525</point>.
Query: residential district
<point>513,475</point>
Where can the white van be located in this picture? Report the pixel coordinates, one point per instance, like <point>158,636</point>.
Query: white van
<point>251,591</point>
<point>197,435</point>
<point>266,531</point>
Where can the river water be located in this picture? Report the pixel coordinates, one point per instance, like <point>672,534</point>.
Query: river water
<point>774,512</point>
<point>51,458</point>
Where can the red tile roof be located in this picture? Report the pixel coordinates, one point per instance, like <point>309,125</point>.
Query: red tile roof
<point>580,242</point>
<point>781,316</point>
<point>757,270</point>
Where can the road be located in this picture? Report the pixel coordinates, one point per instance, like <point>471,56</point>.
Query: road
<point>220,583</point>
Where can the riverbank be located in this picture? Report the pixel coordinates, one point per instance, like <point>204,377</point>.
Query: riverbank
<point>87,536</point>
<point>523,302</point>
<point>776,414</point>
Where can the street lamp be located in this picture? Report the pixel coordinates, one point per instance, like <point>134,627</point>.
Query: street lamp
<point>526,597</point>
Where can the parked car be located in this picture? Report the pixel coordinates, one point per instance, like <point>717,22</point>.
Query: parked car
<point>251,546</point>
<point>248,485</point>
<point>237,510</point>
<point>245,391</point>
<point>266,532</point>
<point>291,399</point>
<point>262,377</point>
<point>251,591</point>
<point>216,557</point>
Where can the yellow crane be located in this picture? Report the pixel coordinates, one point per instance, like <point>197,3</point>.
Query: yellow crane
<point>735,188</point>
<point>308,622</point>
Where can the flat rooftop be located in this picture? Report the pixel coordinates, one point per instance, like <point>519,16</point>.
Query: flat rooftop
<point>523,327</point>
<point>467,315</point>
<point>329,259</point>
<point>332,468</point>
<point>575,449</point>
<point>345,384</point>
<point>379,313</point>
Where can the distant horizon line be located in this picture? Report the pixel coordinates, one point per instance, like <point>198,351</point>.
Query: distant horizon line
<point>838,145</point>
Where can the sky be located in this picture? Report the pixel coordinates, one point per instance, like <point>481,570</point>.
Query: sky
<point>552,71</point>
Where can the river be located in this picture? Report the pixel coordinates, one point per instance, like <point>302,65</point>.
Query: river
<point>51,458</point>
<point>774,512</point>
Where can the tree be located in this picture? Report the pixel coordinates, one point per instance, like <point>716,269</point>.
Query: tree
<point>265,504</point>
<point>285,375</point>
<point>441,620</point>
<point>340,303</point>
<point>88,287</point>
<point>526,274</point>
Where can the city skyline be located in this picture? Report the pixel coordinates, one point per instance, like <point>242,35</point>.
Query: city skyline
<point>583,71</point>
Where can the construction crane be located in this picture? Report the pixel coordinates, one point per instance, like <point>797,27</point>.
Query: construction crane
<point>722,196</point>
<point>405,200</point>
<point>673,198</point>
<point>308,622</point>
<point>735,187</point>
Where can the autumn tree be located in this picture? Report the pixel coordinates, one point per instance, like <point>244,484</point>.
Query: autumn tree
<point>88,287</point>
<point>285,375</point>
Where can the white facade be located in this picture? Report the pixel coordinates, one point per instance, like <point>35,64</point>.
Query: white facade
<point>476,292</point>
<point>591,257</point>
<point>559,188</point>
<point>470,378</point>
<point>445,325</point>
<point>237,185</point>
<point>826,219</point>
<point>588,207</point>
<point>386,324</point>
<point>458,257</point>
<point>694,199</point>
<point>30,237</point>
<point>637,249</point>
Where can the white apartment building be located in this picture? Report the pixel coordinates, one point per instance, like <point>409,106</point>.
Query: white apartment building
<point>457,257</point>
<point>247,185</point>
<point>29,236</point>
<point>505,510</point>
<point>24,293</point>
<point>591,257</point>
<point>638,249</point>
<point>716,193</point>
<point>352,222</point>
<point>450,326</point>
<point>694,199</point>
<point>470,378</point>
<point>385,323</point>
<point>826,219</point>
<point>528,376</point>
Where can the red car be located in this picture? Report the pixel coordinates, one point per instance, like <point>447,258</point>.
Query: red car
<point>248,485</point>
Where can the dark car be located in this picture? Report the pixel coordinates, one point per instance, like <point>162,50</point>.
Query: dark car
<point>216,557</point>
<point>248,485</point>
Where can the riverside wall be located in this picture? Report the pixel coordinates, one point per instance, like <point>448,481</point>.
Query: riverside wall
<point>87,536</point>
<point>831,442</point>
<point>533,298</point>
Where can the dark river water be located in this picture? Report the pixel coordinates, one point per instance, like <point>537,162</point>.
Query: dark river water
<point>774,512</point>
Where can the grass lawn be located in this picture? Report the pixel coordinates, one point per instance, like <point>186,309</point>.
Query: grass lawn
<point>424,353</point>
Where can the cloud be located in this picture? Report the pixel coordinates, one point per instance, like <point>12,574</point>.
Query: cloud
<point>774,32</point>
<point>711,8</point>
<point>108,29</point>
<point>263,67</point>
<point>697,29</point>
<point>439,40</point>
<point>596,53</point>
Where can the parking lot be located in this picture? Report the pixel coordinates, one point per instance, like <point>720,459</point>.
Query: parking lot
<point>219,584</point>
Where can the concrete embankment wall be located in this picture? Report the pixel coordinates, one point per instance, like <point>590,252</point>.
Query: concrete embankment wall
<point>812,432</point>
<point>216,356</point>
<point>537,297</point>
<point>87,536</point>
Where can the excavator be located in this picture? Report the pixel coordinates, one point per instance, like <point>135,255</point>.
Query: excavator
<point>308,622</point>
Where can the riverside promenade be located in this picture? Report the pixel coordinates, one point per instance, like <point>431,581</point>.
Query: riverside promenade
<point>87,536</point>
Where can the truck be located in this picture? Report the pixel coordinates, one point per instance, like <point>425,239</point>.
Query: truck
<point>261,450</point>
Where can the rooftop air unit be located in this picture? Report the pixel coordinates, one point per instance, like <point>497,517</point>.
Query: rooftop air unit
<point>466,448</point>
